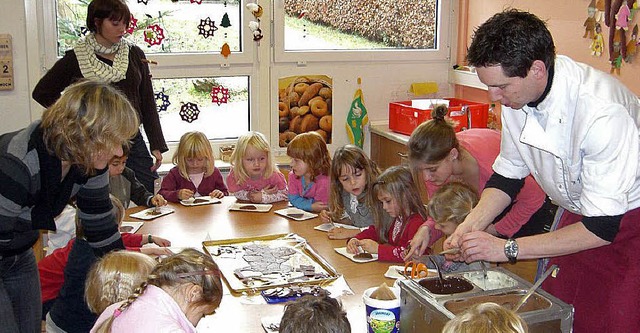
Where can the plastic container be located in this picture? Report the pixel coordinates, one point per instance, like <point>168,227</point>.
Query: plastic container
<point>382,316</point>
<point>404,116</point>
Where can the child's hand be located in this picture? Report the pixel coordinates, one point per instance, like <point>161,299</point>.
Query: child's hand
<point>255,196</point>
<point>318,206</point>
<point>158,200</point>
<point>353,246</point>
<point>156,251</point>
<point>270,189</point>
<point>159,241</point>
<point>216,194</point>
<point>342,233</point>
<point>369,245</point>
<point>325,216</point>
<point>185,194</point>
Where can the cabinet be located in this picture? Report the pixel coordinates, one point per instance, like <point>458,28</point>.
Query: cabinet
<point>387,152</point>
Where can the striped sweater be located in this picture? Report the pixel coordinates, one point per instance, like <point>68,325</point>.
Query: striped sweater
<point>33,193</point>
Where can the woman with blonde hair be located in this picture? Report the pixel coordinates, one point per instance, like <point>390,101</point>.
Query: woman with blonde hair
<point>65,154</point>
<point>195,174</point>
<point>180,290</point>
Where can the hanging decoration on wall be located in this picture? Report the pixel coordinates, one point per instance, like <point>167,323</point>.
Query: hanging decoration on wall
<point>632,45</point>
<point>226,50</point>
<point>225,22</point>
<point>189,112</point>
<point>153,35</point>
<point>616,56</point>
<point>597,44</point>
<point>219,95</point>
<point>304,23</point>
<point>357,118</point>
<point>133,24</point>
<point>206,28</point>
<point>590,22</point>
<point>163,99</point>
<point>623,16</point>
<point>254,26</point>
<point>145,2</point>
<point>617,17</point>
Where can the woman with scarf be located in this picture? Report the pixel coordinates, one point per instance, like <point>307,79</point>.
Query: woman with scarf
<point>105,55</point>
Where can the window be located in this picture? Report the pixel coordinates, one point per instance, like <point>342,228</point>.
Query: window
<point>180,36</point>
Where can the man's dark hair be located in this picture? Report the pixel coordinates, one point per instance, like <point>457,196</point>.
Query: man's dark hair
<point>512,39</point>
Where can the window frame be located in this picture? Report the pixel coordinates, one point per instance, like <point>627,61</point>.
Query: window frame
<point>442,51</point>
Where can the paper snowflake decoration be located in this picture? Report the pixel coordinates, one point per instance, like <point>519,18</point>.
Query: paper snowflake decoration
<point>189,112</point>
<point>219,95</point>
<point>146,2</point>
<point>199,2</point>
<point>133,24</point>
<point>206,28</point>
<point>154,35</point>
<point>164,99</point>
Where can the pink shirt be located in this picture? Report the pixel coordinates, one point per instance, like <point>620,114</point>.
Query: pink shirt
<point>484,145</point>
<point>241,191</point>
<point>153,311</point>
<point>318,191</point>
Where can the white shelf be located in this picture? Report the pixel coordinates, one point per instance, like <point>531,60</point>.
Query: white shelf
<point>466,78</point>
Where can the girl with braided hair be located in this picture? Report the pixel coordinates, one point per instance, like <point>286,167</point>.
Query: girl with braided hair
<point>180,290</point>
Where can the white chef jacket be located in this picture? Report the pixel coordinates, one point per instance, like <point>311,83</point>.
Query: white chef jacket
<point>586,156</point>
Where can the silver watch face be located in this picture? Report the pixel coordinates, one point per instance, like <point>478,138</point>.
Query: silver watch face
<point>511,249</point>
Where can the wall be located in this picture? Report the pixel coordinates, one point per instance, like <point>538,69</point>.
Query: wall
<point>565,20</point>
<point>15,110</point>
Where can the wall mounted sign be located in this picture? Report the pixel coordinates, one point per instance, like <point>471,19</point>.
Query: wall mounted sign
<point>6,62</point>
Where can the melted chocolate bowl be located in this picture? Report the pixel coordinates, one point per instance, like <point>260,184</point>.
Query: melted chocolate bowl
<point>448,285</point>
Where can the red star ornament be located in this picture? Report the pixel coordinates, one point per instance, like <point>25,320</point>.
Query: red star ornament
<point>219,95</point>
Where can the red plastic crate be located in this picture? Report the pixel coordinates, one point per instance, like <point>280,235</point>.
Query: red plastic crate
<point>403,118</point>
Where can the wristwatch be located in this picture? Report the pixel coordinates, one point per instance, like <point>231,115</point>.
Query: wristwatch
<point>511,250</point>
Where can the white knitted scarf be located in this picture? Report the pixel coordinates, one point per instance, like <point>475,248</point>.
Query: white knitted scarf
<point>93,68</point>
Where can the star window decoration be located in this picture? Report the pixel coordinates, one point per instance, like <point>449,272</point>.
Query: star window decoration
<point>153,35</point>
<point>206,28</point>
<point>219,95</point>
<point>164,99</point>
<point>133,24</point>
<point>189,112</point>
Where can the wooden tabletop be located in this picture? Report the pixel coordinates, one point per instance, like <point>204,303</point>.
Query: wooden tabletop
<point>190,226</point>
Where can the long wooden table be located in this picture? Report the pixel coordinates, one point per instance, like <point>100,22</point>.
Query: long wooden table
<point>190,226</point>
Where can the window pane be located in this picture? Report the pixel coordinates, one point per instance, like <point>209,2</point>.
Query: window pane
<point>360,25</point>
<point>230,119</point>
<point>163,26</point>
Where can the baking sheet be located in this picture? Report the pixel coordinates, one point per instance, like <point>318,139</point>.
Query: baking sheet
<point>288,258</point>
<point>147,214</point>
<point>295,214</point>
<point>207,201</point>
<point>130,226</point>
<point>245,207</point>
<point>343,251</point>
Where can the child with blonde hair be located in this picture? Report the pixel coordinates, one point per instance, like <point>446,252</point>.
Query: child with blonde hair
<point>254,176</point>
<point>448,207</point>
<point>351,197</point>
<point>195,173</point>
<point>400,198</point>
<point>309,176</point>
<point>486,318</point>
<point>113,278</point>
<point>63,275</point>
<point>180,291</point>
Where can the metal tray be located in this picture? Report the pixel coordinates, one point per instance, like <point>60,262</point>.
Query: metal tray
<point>285,260</point>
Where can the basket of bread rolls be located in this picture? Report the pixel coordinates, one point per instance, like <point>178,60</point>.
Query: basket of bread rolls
<point>304,105</point>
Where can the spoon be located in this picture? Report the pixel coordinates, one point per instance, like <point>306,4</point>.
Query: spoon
<point>438,269</point>
<point>553,271</point>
